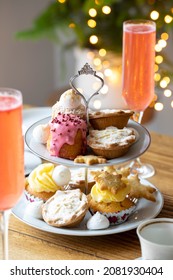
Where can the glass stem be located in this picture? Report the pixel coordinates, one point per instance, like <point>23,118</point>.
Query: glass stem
<point>4,219</point>
<point>138,116</point>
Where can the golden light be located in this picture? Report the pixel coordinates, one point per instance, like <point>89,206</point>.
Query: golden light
<point>104,89</point>
<point>157,77</point>
<point>156,68</point>
<point>97,104</point>
<point>97,61</point>
<point>108,72</point>
<point>159,59</point>
<point>162,43</point>
<point>106,63</point>
<point>167,92</point>
<point>92,12</point>
<point>158,48</point>
<point>168,19</point>
<point>164,36</point>
<point>93,39</point>
<point>167,79</point>
<point>106,10</point>
<point>158,106</point>
<point>91,23</point>
<point>61,1</point>
<point>154,15</point>
<point>102,52</point>
<point>90,55</point>
<point>72,25</point>
<point>163,84</point>
<point>115,77</point>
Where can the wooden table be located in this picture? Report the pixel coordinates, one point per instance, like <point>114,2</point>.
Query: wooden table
<point>26,242</point>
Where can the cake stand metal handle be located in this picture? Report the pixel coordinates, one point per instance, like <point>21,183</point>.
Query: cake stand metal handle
<point>86,70</point>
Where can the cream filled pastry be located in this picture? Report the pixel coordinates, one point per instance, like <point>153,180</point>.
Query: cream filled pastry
<point>40,183</point>
<point>69,103</point>
<point>107,196</point>
<point>67,136</point>
<point>65,208</point>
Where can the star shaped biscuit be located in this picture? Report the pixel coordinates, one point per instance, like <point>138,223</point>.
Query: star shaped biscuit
<point>90,159</point>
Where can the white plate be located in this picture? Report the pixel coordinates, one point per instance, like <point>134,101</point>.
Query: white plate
<point>30,116</point>
<point>145,210</point>
<point>138,148</point>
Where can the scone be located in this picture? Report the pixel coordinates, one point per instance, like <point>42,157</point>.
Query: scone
<point>45,180</point>
<point>67,136</point>
<point>65,208</point>
<point>111,142</point>
<point>109,117</point>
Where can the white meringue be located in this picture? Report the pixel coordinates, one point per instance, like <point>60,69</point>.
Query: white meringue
<point>61,175</point>
<point>41,133</point>
<point>98,221</point>
<point>69,99</point>
<point>34,209</point>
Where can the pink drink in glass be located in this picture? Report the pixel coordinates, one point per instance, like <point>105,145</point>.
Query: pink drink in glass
<point>11,154</point>
<point>138,65</point>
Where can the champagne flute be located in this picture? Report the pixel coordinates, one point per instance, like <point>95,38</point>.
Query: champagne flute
<point>139,38</point>
<point>12,157</point>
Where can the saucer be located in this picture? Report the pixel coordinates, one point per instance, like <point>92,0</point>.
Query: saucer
<point>31,161</point>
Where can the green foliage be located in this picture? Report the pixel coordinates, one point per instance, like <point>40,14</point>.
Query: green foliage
<point>55,20</point>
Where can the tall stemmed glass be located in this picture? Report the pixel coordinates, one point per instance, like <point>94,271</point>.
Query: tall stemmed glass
<point>139,38</point>
<point>11,157</point>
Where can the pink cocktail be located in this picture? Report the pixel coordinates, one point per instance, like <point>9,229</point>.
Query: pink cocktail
<point>139,37</point>
<point>11,155</point>
<point>138,66</point>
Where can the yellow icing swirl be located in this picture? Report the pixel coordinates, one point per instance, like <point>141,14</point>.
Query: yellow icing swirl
<point>40,179</point>
<point>107,196</point>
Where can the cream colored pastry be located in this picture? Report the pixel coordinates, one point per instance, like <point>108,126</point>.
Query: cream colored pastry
<point>69,103</point>
<point>107,196</point>
<point>41,133</point>
<point>65,208</point>
<point>40,179</point>
<point>111,136</point>
<point>98,221</point>
<point>111,142</point>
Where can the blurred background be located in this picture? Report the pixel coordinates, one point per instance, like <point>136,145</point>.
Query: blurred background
<point>43,43</point>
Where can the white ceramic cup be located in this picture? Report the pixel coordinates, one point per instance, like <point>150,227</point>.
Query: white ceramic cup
<point>156,239</point>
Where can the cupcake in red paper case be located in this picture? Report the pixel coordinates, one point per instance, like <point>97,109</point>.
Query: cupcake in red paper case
<point>109,196</point>
<point>69,103</point>
<point>67,136</point>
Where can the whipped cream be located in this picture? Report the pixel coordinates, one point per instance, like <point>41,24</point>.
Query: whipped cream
<point>34,209</point>
<point>61,175</point>
<point>40,179</point>
<point>69,99</point>
<point>41,133</point>
<point>98,221</point>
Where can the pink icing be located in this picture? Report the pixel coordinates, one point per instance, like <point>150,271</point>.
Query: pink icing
<point>63,129</point>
